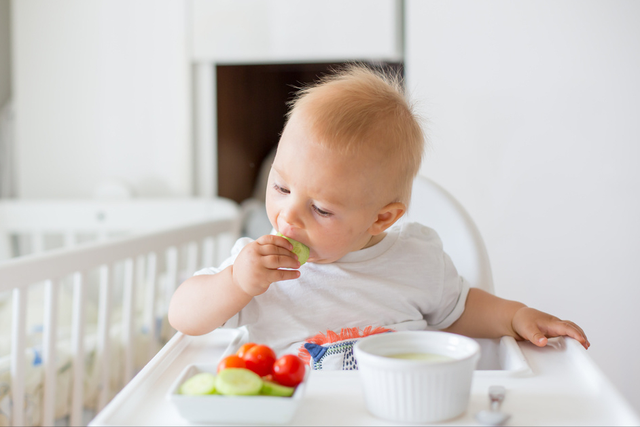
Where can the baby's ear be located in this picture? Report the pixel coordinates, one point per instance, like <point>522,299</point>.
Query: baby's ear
<point>387,216</point>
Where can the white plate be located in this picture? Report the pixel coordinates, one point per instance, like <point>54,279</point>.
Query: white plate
<point>233,409</point>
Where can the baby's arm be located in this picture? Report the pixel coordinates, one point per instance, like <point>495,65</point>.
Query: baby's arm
<point>202,303</point>
<point>487,316</point>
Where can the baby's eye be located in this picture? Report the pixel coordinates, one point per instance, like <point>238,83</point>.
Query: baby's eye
<point>281,189</point>
<point>321,212</point>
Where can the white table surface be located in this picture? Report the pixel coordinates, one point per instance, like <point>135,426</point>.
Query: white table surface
<point>566,388</point>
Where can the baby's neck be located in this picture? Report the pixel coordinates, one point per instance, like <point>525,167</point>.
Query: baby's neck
<point>374,240</point>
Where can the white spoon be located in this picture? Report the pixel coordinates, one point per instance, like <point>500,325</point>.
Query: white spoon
<point>493,417</point>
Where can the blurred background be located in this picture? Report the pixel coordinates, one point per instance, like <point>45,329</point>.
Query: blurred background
<point>531,109</point>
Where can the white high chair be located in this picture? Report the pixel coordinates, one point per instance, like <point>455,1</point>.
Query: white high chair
<point>435,207</point>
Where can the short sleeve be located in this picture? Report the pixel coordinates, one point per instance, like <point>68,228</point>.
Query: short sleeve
<point>235,250</point>
<point>455,290</point>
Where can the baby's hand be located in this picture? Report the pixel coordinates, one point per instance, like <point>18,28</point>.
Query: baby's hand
<point>536,326</point>
<point>259,263</point>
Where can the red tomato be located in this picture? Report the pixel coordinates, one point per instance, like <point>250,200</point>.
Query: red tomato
<point>289,370</point>
<point>260,359</point>
<point>244,348</point>
<point>232,361</point>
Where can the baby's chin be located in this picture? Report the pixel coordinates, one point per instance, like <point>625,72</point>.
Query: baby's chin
<point>319,259</point>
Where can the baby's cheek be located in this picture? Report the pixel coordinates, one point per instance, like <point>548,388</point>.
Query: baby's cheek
<point>333,247</point>
<point>318,251</point>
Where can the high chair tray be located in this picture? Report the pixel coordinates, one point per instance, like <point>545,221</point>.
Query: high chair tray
<point>560,385</point>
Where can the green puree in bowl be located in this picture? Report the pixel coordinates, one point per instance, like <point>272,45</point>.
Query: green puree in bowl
<point>427,357</point>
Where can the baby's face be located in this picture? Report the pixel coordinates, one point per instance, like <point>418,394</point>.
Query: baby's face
<point>323,199</point>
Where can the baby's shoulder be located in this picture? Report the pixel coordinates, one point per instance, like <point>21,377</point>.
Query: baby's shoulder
<point>417,239</point>
<point>419,232</point>
<point>419,247</point>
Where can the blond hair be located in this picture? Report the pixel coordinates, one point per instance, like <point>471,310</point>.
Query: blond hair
<point>361,110</point>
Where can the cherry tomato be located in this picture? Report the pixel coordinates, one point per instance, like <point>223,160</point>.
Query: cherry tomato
<point>260,359</point>
<point>289,370</point>
<point>231,361</point>
<point>244,348</point>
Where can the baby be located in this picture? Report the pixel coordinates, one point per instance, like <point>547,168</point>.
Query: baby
<point>340,182</point>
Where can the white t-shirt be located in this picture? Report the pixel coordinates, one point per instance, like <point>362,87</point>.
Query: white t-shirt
<point>404,282</point>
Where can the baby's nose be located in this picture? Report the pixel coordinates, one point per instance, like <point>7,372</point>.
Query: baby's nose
<point>291,216</point>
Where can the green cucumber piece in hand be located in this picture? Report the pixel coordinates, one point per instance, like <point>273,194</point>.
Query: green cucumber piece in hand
<point>238,382</point>
<point>199,385</point>
<point>299,249</point>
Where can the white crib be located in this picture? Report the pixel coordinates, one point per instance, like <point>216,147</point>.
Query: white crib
<point>84,288</point>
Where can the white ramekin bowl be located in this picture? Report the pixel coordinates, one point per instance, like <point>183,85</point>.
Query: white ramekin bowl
<point>416,391</point>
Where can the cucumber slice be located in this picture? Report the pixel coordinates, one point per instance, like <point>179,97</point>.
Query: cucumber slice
<point>238,382</point>
<point>199,385</point>
<point>270,388</point>
<point>299,249</point>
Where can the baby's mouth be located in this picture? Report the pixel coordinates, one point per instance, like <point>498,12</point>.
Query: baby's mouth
<point>300,249</point>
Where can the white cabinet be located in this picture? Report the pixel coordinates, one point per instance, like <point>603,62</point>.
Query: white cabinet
<point>264,31</point>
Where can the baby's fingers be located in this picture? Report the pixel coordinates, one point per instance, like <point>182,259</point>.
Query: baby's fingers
<point>279,275</point>
<point>274,257</point>
<point>270,239</point>
<point>560,328</point>
<point>536,326</point>
<point>555,328</point>
<point>274,262</point>
<point>532,333</point>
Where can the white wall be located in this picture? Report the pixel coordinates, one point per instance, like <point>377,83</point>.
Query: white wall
<point>101,93</point>
<point>533,111</point>
<point>5,51</point>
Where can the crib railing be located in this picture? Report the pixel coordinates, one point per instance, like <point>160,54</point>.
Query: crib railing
<point>34,226</point>
<point>146,267</point>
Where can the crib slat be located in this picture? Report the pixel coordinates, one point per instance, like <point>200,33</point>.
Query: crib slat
<point>140,287</point>
<point>128,319</point>
<point>77,348</point>
<point>150,302</point>
<point>224,241</point>
<point>38,242</point>
<point>141,297</point>
<point>192,258</point>
<point>104,339</point>
<point>172,273</point>
<point>49,350</point>
<point>18,338</point>
<point>208,252</point>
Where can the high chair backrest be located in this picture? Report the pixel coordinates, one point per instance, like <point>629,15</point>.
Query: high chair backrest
<point>435,207</point>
